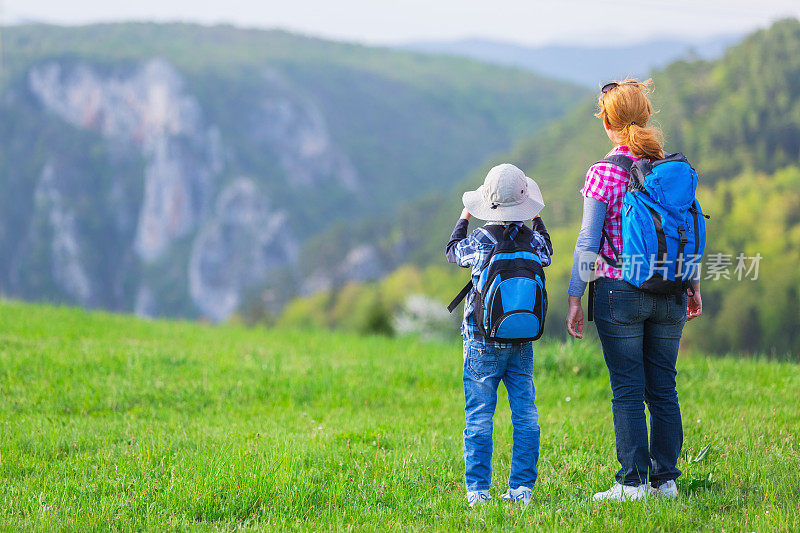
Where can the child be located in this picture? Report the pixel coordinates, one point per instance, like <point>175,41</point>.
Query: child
<point>507,198</point>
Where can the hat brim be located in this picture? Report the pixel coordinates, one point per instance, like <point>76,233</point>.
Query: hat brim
<point>525,210</point>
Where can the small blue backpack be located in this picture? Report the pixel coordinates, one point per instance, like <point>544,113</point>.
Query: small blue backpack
<point>663,227</point>
<point>511,296</point>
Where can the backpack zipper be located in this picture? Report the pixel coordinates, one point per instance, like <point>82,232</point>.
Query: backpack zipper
<point>694,210</point>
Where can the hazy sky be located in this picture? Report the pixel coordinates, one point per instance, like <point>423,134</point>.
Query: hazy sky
<point>394,21</point>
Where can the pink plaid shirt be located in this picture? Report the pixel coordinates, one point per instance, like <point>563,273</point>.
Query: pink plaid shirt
<point>608,183</point>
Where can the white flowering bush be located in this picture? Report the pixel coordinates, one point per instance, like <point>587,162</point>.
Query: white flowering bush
<point>428,318</point>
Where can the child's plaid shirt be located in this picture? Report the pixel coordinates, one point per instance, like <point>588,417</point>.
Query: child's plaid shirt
<point>473,251</point>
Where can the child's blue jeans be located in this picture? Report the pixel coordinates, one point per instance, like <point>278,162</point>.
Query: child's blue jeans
<point>485,365</point>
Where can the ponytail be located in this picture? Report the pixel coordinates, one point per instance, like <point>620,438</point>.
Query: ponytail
<point>626,109</point>
<point>647,141</point>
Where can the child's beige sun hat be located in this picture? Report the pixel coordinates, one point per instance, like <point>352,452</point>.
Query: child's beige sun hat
<point>506,195</point>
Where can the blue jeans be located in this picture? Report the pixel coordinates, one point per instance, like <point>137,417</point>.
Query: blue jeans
<point>485,365</point>
<point>641,333</point>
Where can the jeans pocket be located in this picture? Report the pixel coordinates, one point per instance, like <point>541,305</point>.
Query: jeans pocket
<point>625,306</point>
<point>676,312</point>
<point>526,359</point>
<point>480,362</point>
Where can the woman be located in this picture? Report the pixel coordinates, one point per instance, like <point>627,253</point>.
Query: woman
<point>640,331</point>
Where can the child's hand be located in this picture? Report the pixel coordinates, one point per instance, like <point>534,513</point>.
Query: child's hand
<point>465,214</point>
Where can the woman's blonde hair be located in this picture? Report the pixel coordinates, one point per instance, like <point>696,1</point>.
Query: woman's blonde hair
<point>625,109</point>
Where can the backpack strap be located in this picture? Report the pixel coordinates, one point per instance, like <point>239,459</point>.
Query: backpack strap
<point>612,262</point>
<point>511,232</point>
<point>501,232</point>
<point>604,238</point>
<point>625,163</point>
<point>461,296</point>
<point>619,160</point>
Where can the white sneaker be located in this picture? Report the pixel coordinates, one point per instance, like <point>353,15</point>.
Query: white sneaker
<point>668,489</point>
<point>477,497</point>
<point>521,494</point>
<point>624,492</point>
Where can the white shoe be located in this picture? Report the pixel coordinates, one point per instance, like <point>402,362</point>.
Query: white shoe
<point>521,494</point>
<point>624,492</point>
<point>477,497</point>
<point>668,489</point>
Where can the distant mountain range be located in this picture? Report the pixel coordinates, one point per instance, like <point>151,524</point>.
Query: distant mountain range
<point>583,65</point>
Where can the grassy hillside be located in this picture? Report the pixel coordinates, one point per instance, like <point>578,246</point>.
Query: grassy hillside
<point>114,422</point>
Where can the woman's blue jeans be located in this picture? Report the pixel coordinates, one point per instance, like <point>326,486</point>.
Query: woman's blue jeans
<point>485,365</point>
<point>641,333</point>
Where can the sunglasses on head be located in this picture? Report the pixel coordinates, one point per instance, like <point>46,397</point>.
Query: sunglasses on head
<point>608,86</point>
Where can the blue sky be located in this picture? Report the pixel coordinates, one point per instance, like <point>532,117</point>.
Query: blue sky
<point>396,21</point>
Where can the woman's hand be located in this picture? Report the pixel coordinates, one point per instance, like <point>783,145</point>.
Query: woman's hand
<point>694,305</point>
<point>575,317</point>
<point>465,214</point>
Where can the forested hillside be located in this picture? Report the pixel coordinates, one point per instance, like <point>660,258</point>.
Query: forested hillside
<point>739,113</point>
<point>738,121</point>
<point>169,169</point>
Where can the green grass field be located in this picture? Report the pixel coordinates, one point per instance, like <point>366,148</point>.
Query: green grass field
<point>113,422</point>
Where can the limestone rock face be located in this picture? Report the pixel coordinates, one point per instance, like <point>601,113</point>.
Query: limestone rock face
<point>202,233</point>
<point>146,108</point>
<point>241,240</point>
<point>66,262</point>
<point>362,263</point>
<point>293,126</point>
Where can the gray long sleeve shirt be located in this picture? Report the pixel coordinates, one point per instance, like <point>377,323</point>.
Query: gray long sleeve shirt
<point>594,216</point>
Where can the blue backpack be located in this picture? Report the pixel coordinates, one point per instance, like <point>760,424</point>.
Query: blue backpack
<point>511,296</point>
<point>663,227</point>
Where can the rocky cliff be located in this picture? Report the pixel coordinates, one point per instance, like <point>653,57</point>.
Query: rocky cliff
<point>233,234</point>
<point>149,183</point>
